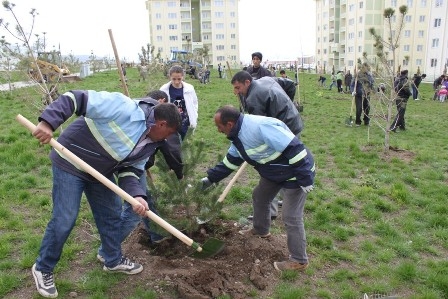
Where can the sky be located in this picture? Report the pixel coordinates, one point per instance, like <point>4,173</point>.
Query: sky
<point>280,29</point>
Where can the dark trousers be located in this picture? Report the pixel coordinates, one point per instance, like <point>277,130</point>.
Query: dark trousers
<point>362,107</point>
<point>414,91</point>
<point>399,118</point>
<point>339,82</point>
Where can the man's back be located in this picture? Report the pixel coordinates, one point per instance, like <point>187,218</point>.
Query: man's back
<point>266,97</point>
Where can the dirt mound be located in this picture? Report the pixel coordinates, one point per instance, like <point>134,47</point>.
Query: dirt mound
<point>243,268</point>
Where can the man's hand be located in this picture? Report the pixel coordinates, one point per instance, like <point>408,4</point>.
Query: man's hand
<point>354,93</point>
<point>43,132</point>
<point>141,208</point>
<point>307,189</point>
<point>205,183</point>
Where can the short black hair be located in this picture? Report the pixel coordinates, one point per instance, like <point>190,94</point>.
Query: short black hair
<point>241,77</point>
<point>228,114</point>
<point>257,54</point>
<point>282,72</point>
<point>157,95</point>
<point>170,113</point>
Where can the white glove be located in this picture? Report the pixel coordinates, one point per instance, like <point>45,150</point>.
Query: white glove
<point>354,93</point>
<point>307,189</point>
<point>205,183</point>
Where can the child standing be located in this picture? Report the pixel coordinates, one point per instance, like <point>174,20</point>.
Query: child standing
<point>442,93</point>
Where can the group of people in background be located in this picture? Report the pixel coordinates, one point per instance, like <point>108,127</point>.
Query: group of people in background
<point>440,86</point>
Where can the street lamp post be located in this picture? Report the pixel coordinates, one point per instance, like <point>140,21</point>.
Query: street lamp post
<point>44,39</point>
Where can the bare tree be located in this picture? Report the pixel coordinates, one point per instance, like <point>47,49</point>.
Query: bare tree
<point>386,68</point>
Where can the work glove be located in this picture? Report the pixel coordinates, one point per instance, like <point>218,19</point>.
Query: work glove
<point>307,189</point>
<point>354,93</point>
<point>205,183</point>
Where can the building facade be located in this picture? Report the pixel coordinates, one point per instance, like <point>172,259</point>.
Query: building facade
<point>195,25</point>
<point>343,34</point>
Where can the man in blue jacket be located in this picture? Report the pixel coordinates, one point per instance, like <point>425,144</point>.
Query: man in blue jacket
<point>282,161</point>
<point>115,135</point>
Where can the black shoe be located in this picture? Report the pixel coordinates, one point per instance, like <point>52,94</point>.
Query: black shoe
<point>251,217</point>
<point>402,128</point>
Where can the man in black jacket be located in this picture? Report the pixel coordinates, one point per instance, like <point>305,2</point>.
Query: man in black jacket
<point>403,90</point>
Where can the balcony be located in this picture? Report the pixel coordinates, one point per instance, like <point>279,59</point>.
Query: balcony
<point>334,47</point>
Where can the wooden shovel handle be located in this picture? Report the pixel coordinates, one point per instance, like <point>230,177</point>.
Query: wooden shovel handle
<point>120,192</point>
<point>232,181</point>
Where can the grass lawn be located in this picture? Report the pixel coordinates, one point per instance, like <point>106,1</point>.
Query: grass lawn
<point>379,218</point>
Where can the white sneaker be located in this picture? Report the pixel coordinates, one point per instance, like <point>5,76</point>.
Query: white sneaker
<point>100,258</point>
<point>44,283</point>
<point>125,266</point>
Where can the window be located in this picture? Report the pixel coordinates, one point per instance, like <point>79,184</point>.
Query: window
<point>360,20</point>
<point>159,49</point>
<point>219,47</point>
<point>439,3</point>
<point>408,19</point>
<point>419,48</point>
<point>171,4</point>
<point>172,15</point>
<point>233,57</point>
<point>206,15</point>
<point>206,37</point>
<point>421,19</point>
<point>421,33</point>
<point>406,48</point>
<point>173,37</point>
<point>433,62</point>
<point>219,2</point>
<point>220,36</point>
<point>360,34</point>
<point>437,22</point>
<point>350,49</point>
<point>325,39</point>
<point>233,36</point>
<point>435,42</point>
<point>220,58</point>
<point>158,15</point>
<point>206,26</point>
<point>219,14</point>
<point>172,27</point>
<point>325,51</point>
<point>359,49</point>
<point>233,47</point>
<point>405,62</point>
<point>158,27</point>
<point>409,3</point>
<point>418,62</point>
<point>393,3</point>
<point>361,4</point>
<point>219,25</point>
<point>351,35</point>
<point>351,7</point>
<point>159,38</point>
<point>423,3</point>
<point>407,33</point>
<point>232,14</point>
<point>233,25</point>
<point>351,22</point>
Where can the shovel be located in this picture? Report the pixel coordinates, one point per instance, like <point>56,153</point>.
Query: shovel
<point>226,190</point>
<point>210,248</point>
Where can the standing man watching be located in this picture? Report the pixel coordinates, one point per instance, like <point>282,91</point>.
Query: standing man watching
<point>282,161</point>
<point>267,98</point>
<point>403,90</point>
<point>256,70</point>
<point>363,81</point>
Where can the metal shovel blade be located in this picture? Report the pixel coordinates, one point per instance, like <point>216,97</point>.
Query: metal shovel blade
<point>210,248</point>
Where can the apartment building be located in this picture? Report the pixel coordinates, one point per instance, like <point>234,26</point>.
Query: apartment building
<point>343,34</point>
<point>195,24</point>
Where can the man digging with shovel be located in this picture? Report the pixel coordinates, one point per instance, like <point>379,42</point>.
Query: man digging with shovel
<point>282,161</point>
<point>115,135</point>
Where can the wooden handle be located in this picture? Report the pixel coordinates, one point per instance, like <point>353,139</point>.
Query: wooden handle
<point>232,181</point>
<point>120,192</point>
<point>117,60</point>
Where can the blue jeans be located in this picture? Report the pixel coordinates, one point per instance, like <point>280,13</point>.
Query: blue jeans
<point>292,215</point>
<point>105,206</point>
<point>130,220</point>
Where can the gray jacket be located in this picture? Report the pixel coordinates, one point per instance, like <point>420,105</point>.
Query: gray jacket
<point>266,97</point>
